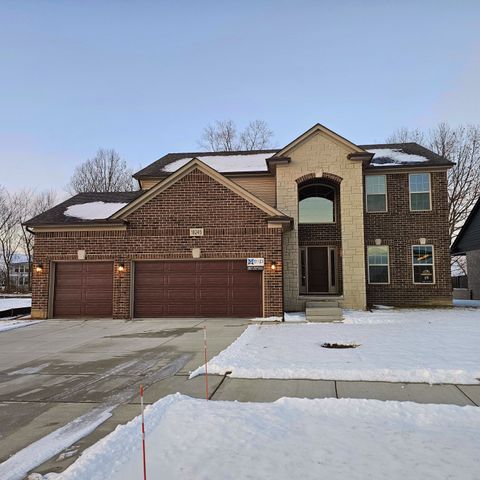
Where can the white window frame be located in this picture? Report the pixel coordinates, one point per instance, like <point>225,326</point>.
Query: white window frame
<point>419,264</point>
<point>429,191</point>
<point>367,194</point>
<point>379,265</point>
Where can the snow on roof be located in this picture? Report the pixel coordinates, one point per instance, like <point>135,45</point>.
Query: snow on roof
<point>227,163</point>
<point>93,210</point>
<point>386,157</point>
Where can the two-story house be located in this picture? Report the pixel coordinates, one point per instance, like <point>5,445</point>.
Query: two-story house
<point>252,234</point>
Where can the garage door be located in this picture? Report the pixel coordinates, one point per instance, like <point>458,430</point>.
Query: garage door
<point>197,289</point>
<point>83,289</point>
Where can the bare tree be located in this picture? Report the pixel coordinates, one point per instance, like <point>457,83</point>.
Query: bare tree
<point>9,238</point>
<point>256,136</point>
<point>106,172</point>
<point>31,204</point>
<point>460,145</point>
<point>223,136</point>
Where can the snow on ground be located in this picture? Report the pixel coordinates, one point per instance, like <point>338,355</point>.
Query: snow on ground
<point>428,345</point>
<point>466,303</point>
<point>12,302</point>
<point>93,210</point>
<point>387,157</point>
<point>6,325</point>
<point>291,438</point>
<point>18,465</point>
<point>227,163</point>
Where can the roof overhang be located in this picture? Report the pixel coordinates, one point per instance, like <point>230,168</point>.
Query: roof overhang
<point>182,172</point>
<point>79,227</point>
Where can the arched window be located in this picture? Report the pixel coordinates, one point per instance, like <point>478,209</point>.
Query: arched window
<point>316,203</point>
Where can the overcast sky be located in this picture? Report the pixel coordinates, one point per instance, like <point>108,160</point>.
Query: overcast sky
<point>146,77</point>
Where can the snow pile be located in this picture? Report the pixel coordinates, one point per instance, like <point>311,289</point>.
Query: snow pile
<point>18,465</point>
<point>6,325</point>
<point>93,210</point>
<point>432,346</point>
<point>386,157</point>
<point>12,302</point>
<point>227,163</point>
<point>290,438</point>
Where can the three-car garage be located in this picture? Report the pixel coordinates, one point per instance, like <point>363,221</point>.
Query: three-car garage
<point>166,288</point>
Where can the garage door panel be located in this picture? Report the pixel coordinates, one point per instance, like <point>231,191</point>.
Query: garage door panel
<point>197,288</point>
<point>83,289</point>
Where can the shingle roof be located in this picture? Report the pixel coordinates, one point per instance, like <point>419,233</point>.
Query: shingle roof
<point>469,236</point>
<point>393,151</point>
<point>390,159</point>
<point>56,215</point>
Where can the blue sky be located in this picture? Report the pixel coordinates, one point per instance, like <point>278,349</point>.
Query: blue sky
<point>146,77</point>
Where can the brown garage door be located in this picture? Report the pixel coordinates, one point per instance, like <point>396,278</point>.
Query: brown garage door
<point>83,289</point>
<point>197,289</point>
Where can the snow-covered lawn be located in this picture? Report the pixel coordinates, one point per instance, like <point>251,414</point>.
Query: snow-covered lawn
<point>11,302</point>
<point>424,345</point>
<point>6,325</point>
<point>466,303</point>
<point>290,438</point>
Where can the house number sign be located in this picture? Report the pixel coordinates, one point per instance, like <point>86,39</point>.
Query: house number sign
<point>196,232</point>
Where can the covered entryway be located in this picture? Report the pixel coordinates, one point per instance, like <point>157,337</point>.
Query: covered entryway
<point>83,289</point>
<point>197,288</point>
<point>318,270</point>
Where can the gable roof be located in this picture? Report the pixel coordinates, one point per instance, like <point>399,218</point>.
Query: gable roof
<point>322,129</point>
<point>469,237</point>
<point>58,214</point>
<point>185,170</point>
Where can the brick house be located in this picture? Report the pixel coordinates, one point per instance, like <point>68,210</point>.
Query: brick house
<point>468,243</point>
<point>320,219</point>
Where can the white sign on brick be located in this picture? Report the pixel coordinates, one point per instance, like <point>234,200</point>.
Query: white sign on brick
<point>196,232</point>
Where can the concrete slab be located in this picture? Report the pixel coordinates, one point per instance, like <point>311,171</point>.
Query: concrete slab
<point>35,421</point>
<point>412,392</point>
<point>472,391</point>
<point>267,390</point>
<point>179,383</point>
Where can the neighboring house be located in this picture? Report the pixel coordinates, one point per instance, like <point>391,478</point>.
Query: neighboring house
<point>330,219</point>
<point>468,243</point>
<point>19,272</point>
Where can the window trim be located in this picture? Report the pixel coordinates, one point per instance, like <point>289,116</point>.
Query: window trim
<point>379,265</point>
<point>432,264</point>
<point>429,192</point>
<point>335,212</point>
<point>367,194</point>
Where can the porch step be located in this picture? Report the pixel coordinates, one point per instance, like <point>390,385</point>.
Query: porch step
<point>323,311</point>
<point>321,303</point>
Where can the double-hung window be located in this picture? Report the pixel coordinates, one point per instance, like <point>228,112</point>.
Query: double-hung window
<point>376,188</point>
<point>420,195</point>
<point>378,264</point>
<point>423,266</point>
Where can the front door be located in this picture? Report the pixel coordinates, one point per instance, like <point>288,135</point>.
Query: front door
<point>318,267</point>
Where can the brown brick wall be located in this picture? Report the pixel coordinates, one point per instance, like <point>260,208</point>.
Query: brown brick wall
<point>233,228</point>
<point>400,229</point>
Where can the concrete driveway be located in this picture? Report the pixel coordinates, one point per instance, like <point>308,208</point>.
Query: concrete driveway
<point>56,371</point>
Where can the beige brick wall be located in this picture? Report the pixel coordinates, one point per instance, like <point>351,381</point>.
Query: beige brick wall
<point>321,154</point>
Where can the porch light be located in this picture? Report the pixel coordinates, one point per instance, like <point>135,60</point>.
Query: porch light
<point>273,266</point>
<point>121,267</point>
<point>39,268</point>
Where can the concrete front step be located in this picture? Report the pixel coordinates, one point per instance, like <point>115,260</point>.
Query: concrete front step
<point>322,303</point>
<point>324,318</point>
<point>324,311</point>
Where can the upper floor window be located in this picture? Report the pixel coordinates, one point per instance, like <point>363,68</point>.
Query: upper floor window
<point>376,188</point>
<point>378,264</point>
<point>423,269</point>
<point>316,203</point>
<point>420,195</point>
